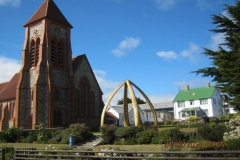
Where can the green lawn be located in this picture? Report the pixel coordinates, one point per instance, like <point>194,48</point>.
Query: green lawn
<point>35,145</point>
<point>186,130</point>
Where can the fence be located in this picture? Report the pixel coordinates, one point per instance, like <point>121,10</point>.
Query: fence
<point>1,154</point>
<point>122,155</point>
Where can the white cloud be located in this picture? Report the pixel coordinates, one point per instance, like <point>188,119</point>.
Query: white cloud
<point>167,55</point>
<point>165,4</point>
<point>8,68</point>
<point>128,44</point>
<point>192,52</point>
<point>161,98</point>
<point>14,3</point>
<point>203,4</point>
<point>118,52</point>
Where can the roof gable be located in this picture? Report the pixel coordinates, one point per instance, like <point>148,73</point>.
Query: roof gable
<point>48,9</point>
<point>77,61</point>
<point>194,94</point>
<point>2,85</point>
<point>9,91</point>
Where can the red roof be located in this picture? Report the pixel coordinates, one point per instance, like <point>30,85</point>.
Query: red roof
<point>48,10</point>
<point>2,85</point>
<point>110,115</point>
<point>9,91</point>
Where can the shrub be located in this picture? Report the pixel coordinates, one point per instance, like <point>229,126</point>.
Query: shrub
<point>233,129</point>
<point>13,134</point>
<point>125,132</point>
<point>145,137</point>
<point>80,131</point>
<point>212,132</point>
<point>214,119</point>
<point>31,137</point>
<point>107,133</point>
<point>192,119</point>
<point>233,144</point>
<point>129,141</point>
<point>171,135</point>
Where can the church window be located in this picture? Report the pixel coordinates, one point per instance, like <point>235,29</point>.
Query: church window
<point>59,56</point>
<point>34,52</point>
<point>84,97</point>
<point>77,103</point>
<point>57,53</point>
<point>56,95</point>
<point>37,51</point>
<point>57,117</point>
<point>53,52</point>
<point>91,104</point>
<point>32,60</point>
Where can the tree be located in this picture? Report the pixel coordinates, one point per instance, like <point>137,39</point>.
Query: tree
<point>139,101</point>
<point>225,69</point>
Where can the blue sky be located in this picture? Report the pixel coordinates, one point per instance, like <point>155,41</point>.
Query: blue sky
<point>153,43</point>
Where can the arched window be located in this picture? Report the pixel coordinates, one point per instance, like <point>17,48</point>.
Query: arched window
<point>60,55</point>
<point>92,104</point>
<point>84,97</point>
<point>56,95</point>
<point>77,103</point>
<point>37,51</point>
<point>53,52</point>
<point>32,53</point>
<point>58,118</point>
<point>57,51</point>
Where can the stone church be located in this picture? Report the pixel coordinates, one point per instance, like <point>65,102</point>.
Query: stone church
<point>52,87</point>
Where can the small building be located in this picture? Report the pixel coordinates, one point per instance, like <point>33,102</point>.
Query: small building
<point>199,102</point>
<point>164,111</point>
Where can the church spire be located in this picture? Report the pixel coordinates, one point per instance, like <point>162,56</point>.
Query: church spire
<point>48,9</point>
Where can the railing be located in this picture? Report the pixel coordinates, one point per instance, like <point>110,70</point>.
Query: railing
<point>167,155</point>
<point>1,153</point>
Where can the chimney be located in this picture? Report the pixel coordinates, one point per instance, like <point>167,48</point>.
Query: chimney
<point>186,87</point>
<point>207,84</point>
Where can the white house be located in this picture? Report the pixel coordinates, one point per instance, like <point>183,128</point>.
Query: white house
<point>163,110</point>
<point>199,102</point>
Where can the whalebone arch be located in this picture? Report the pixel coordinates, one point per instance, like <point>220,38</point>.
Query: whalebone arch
<point>137,119</point>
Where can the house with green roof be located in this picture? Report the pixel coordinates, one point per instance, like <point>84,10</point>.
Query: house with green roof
<point>199,102</point>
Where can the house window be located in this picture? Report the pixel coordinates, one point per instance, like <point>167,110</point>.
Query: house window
<point>214,101</point>
<point>205,112</point>
<point>191,102</point>
<point>203,101</point>
<point>219,102</point>
<point>181,104</point>
<point>220,112</point>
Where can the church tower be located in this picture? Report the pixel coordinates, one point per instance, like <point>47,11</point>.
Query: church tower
<point>45,88</point>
